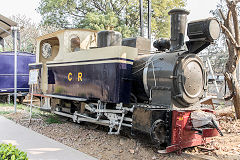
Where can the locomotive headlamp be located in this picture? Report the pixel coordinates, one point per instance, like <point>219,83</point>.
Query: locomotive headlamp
<point>201,34</point>
<point>206,29</point>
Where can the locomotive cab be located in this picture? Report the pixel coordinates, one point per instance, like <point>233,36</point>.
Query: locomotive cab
<point>55,47</point>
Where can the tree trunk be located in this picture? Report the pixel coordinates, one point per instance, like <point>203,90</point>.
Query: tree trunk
<point>230,28</point>
<point>235,91</point>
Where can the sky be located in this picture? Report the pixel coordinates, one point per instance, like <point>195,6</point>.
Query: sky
<point>199,8</point>
<point>22,7</point>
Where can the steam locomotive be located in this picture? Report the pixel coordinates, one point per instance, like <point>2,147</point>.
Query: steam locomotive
<point>104,79</point>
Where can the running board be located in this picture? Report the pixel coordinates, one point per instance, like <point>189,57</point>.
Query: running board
<point>79,117</point>
<point>66,97</point>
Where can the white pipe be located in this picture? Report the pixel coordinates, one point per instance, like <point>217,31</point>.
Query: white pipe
<point>15,30</point>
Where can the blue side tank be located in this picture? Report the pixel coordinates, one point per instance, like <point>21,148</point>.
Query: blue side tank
<point>7,71</point>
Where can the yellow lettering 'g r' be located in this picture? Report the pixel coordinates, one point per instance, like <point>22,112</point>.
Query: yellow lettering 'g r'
<point>79,76</point>
<point>70,77</point>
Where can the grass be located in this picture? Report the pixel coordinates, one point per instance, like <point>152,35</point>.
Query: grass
<point>51,118</point>
<point>5,112</point>
<point>48,118</point>
<point>5,105</point>
<point>35,111</point>
<point>10,118</point>
<point>19,106</point>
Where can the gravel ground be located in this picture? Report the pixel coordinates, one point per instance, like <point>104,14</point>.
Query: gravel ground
<point>97,143</point>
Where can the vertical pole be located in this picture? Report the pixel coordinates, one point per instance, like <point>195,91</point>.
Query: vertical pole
<point>15,30</point>
<point>213,76</point>
<point>141,18</point>
<point>9,99</point>
<point>2,43</point>
<point>31,104</point>
<point>149,18</point>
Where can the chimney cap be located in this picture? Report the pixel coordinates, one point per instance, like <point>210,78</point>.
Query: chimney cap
<point>178,11</point>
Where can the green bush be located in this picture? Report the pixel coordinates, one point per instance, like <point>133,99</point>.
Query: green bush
<point>10,152</point>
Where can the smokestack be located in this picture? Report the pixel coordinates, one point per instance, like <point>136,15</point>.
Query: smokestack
<point>178,26</point>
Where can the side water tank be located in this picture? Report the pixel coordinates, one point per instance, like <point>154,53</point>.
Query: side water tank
<point>109,38</point>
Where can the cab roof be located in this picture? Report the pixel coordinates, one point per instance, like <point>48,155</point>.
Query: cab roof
<point>54,34</point>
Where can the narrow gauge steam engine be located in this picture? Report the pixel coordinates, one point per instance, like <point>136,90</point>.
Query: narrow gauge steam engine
<point>103,79</point>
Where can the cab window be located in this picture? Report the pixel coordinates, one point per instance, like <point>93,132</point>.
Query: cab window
<point>75,43</point>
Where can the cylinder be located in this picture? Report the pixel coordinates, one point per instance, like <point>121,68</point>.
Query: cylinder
<point>178,26</point>
<point>109,38</point>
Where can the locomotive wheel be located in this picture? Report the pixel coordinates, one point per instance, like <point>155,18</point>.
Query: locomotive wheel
<point>20,100</point>
<point>92,126</point>
<point>3,99</point>
<point>158,132</point>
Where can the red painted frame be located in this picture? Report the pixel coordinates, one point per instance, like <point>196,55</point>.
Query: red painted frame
<point>184,136</point>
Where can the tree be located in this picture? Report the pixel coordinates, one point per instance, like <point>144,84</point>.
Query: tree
<point>230,27</point>
<point>28,34</point>
<point>81,13</point>
<point>218,54</point>
<point>99,22</point>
